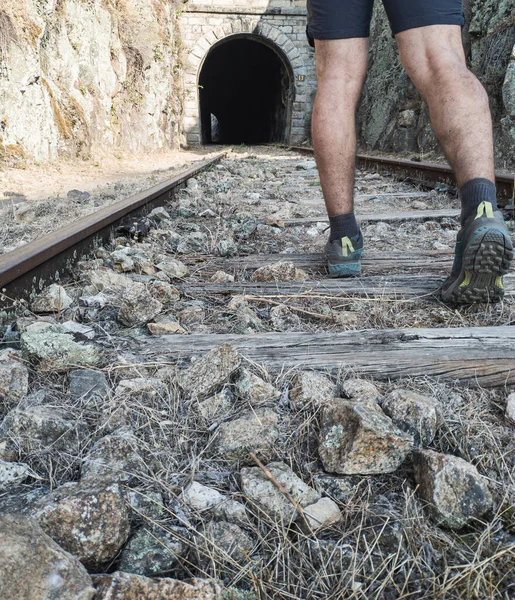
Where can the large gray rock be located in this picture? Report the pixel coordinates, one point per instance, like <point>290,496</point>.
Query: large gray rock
<point>253,389</point>
<point>208,373</point>
<point>87,383</point>
<point>217,406</point>
<point>115,458</point>
<point>52,299</point>
<point>203,498</point>
<point>54,349</point>
<point>310,390</point>
<point>89,519</point>
<point>280,271</point>
<point>138,306</point>
<point>256,432</point>
<point>224,541</point>
<point>456,492</point>
<point>358,438</point>
<point>151,552</point>
<point>34,567</point>
<point>39,428</point>
<point>418,415</point>
<point>126,586</point>
<point>265,495</point>
<point>14,379</point>
<point>321,514</point>
<point>360,390</point>
<point>195,242</point>
<point>107,280</point>
<point>12,473</point>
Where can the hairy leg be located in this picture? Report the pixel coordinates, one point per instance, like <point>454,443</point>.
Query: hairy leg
<point>458,104</point>
<point>341,70</point>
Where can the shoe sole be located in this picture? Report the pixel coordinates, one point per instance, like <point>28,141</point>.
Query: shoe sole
<point>345,270</point>
<point>486,259</point>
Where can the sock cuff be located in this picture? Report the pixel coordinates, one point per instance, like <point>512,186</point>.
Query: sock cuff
<point>480,183</point>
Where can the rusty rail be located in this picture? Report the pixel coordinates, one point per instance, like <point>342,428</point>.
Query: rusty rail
<point>29,268</point>
<point>425,173</point>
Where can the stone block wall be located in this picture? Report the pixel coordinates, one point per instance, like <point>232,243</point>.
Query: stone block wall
<point>280,23</point>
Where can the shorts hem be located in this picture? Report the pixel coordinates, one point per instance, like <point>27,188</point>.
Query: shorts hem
<point>339,34</point>
<point>426,21</point>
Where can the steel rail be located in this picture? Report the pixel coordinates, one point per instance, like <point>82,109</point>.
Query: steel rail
<point>27,269</point>
<point>424,173</point>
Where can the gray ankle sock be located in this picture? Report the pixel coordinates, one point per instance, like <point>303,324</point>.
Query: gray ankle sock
<point>473,193</point>
<point>343,226</point>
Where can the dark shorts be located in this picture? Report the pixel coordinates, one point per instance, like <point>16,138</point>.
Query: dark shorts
<point>338,19</point>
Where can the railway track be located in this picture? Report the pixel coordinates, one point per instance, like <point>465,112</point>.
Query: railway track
<point>216,340</point>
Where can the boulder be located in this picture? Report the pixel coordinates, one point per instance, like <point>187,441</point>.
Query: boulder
<point>280,271</point>
<point>264,494</point>
<point>321,514</point>
<point>89,519</point>
<point>310,390</point>
<point>138,306</point>
<point>253,389</point>
<point>14,379</point>
<point>456,492</point>
<point>87,383</point>
<point>150,552</point>
<point>52,299</point>
<point>34,567</point>
<point>418,415</point>
<point>360,390</point>
<point>358,438</point>
<point>256,431</point>
<point>126,586</point>
<point>208,373</point>
<point>175,269</point>
<point>12,473</point>
<point>41,428</point>
<point>54,349</point>
<point>115,458</point>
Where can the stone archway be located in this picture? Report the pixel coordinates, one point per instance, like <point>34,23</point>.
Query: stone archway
<point>255,29</point>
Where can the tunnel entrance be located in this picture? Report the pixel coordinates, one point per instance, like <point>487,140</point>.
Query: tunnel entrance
<point>246,90</point>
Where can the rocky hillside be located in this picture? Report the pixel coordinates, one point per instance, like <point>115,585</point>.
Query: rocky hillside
<point>392,115</point>
<point>78,77</point>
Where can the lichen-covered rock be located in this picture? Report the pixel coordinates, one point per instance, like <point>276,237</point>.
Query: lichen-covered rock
<point>195,242</point>
<point>456,492</point>
<point>358,438</point>
<point>414,413</point>
<point>255,432</point>
<point>225,541</point>
<point>89,519</point>
<point>201,497</point>
<point>173,268</point>
<point>510,408</point>
<point>140,386</point>
<point>360,390</point>
<point>164,292</point>
<point>146,505</point>
<point>14,379</point>
<point>41,428</point>
<point>216,406</point>
<point>280,271</point>
<point>12,473</point>
<point>34,567</point>
<point>138,306</point>
<point>54,349</point>
<point>126,586</point>
<point>52,299</point>
<point>321,514</point>
<point>87,383</point>
<point>253,389</point>
<point>150,552</point>
<point>310,390</point>
<point>227,247</point>
<point>222,277</point>
<point>115,458</point>
<point>265,495</point>
<point>104,279</point>
<point>208,373</point>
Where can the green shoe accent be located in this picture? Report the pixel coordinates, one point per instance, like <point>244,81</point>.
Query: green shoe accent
<point>484,252</point>
<point>344,256</point>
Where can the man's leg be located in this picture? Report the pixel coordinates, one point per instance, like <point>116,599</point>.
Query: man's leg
<point>458,107</point>
<point>341,70</point>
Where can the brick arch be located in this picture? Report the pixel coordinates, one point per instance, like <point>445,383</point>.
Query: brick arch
<point>271,35</point>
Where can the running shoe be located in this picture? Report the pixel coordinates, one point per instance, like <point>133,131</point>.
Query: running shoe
<point>344,256</point>
<point>483,254</point>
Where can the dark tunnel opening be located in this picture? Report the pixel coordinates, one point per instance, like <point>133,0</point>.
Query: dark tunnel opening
<point>245,94</point>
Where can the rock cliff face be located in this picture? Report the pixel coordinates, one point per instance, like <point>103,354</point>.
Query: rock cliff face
<point>81,76</point>
<point>392,116</point>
